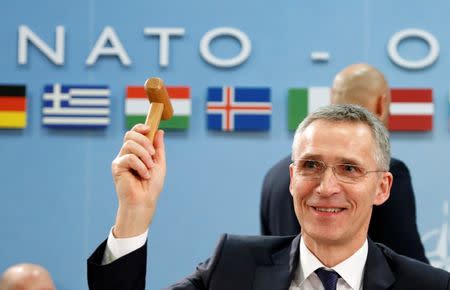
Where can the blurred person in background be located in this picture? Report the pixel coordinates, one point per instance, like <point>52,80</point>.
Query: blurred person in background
<point>26,277</point>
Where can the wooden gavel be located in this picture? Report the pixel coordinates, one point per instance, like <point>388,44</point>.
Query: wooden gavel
<point>160,106</point>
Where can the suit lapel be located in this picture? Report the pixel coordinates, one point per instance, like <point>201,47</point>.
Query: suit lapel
<point>377,273</point>
<point>279,274</point>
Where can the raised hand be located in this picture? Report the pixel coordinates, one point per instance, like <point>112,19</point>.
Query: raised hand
<point>138,172</point>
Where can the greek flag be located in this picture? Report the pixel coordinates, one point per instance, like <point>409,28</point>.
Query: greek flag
<point>75,106</point>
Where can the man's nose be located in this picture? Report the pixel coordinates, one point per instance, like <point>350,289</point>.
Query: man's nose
<point>329,184</point>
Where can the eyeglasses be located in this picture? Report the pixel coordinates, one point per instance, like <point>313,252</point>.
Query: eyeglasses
<point>346,172</point>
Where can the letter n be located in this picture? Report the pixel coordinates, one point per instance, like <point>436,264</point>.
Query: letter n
<point>26,35</point>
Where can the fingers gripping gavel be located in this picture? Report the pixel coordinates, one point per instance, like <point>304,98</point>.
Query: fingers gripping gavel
<point>160,106</point>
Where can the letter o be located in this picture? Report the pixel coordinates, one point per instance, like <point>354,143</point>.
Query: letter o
<point>413,33</point>
<point>244,41</point>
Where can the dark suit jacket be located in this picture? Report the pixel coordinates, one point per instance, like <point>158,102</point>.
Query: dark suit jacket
<point>393,223</point>
<point>264,263</point>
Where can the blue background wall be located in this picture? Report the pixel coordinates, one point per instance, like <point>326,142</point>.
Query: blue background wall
<point>57,197</point>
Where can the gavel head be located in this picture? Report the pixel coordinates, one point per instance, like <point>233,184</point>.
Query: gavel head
<point>157,93</point>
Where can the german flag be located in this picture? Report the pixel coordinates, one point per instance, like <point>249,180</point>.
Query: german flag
<point>13,106</point>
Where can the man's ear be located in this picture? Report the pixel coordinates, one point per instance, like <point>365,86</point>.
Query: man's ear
<point>291,174</point>
<point>382,109</point>
<point>384,188</point>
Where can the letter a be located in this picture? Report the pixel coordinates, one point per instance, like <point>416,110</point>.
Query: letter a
<point>115,48</point>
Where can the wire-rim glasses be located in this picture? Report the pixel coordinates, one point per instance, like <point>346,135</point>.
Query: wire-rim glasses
<point>345,172</point>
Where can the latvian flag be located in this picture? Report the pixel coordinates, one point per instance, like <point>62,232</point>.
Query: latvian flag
<point>137,105</point>
<point>302,101</point>
<point>238,109</point>
<point>75,106</point>
<point>13,106</point>
<point>411,110</point>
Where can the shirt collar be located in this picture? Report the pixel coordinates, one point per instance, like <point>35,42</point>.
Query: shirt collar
<point>351,269</point>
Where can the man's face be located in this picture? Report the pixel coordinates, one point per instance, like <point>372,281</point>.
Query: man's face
<point>331,211</point>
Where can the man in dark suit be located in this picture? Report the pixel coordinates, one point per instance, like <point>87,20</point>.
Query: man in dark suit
<point>394,222</point>
<point>340,170</point>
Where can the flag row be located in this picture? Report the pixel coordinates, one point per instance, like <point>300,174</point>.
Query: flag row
<point>227,108</point>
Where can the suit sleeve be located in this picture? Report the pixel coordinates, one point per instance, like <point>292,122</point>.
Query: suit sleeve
<point>128,272</point>
<point>394,222</point>
<point>125,273</point>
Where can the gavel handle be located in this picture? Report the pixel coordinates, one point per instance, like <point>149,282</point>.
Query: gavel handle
<point>153,118</point>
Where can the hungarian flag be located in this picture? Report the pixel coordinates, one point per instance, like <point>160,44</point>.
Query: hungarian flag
<point>13,106</point>
<point>137,105</point>
<point>411,110</point>
<point>302,101</point>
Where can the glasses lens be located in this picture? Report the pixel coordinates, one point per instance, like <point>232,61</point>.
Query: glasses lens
<point>349,172</point>
<point>310,168</point>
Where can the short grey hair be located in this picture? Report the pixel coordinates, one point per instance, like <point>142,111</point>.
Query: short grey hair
<point>352,114</point>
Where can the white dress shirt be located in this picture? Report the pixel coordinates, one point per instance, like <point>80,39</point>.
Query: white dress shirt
<point>351,270</point>
<point>116,248</point>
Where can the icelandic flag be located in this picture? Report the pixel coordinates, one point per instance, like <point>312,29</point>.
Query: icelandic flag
<point>76,106</point>
<point>238,109</point>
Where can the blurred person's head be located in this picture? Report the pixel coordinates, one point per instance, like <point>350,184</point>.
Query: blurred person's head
<point>362,84</point>
<point>26,277</point>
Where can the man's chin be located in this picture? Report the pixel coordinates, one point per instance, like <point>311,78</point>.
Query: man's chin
<point>329,234</point>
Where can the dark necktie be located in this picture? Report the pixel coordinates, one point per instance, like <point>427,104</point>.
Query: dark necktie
<point>328,278</point>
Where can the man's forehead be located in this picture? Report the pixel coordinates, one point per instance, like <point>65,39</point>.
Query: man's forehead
<point>323,127</point>
<point>338,141</point>
<point>331,156</point>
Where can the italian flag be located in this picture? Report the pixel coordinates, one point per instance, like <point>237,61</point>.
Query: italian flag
<point>411,110</point>
<point>13,106</point>
<point>137,105</point>
<point>302,101</point>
